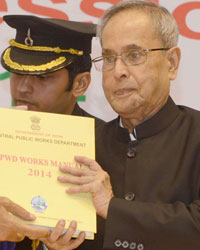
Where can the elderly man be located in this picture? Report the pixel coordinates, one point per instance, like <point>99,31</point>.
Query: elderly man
<point>50,63</point>
<point>145,186</point>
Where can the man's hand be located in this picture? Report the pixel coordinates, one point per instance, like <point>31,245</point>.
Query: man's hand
<point>11,229</point>
<point>20,107</point>
<point>58,240</point>
<point>93,180</point>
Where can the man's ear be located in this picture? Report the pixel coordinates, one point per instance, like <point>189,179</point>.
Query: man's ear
<point>173,57</point>
<point>81,83</point>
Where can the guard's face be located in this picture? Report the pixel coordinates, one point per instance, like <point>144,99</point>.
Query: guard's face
<point>45,93</point>
<point>134,91</point>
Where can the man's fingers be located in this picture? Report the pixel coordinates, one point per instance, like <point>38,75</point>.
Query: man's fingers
<point>57,231</point>
<point>21,213</point>
<point>60,240</point>
<point>74,171</point>
<point>31,231</point>
<point>20,107</point>
<point>70,232</point>
<point>92,164</point>
<point>76,180</point>
<point>14,229</point>
<point>77,242</point>
<point>16,209</point>
<point>36,232</point>
<point>80,189</point>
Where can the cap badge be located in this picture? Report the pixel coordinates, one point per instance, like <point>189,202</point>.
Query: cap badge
<point>28,40</point>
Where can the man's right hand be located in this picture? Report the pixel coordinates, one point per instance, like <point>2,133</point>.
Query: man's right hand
<point>12,229</point>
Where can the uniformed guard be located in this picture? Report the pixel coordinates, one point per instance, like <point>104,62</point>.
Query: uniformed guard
<point>42,48</point>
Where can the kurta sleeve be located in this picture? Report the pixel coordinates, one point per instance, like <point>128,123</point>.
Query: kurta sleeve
<point>142,225</point>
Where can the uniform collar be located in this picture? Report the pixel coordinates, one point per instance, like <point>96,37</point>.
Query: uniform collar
<point>77,111</point>
<point>157,123</point>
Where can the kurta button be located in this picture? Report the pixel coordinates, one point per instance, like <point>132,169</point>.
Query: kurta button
<point>118,243</point>
<point>132,245</point>
<point>131,152</point>
<point>129,196</point>
<point>140,247</point>
<point>125,244</point>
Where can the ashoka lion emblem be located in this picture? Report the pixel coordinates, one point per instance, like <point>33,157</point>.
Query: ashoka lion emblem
<point>35,122</point>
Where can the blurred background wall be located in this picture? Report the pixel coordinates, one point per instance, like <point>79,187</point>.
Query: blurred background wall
<point>185,89</point>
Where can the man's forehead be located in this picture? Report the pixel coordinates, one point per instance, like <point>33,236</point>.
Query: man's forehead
<point>124,26</point>
<point>136,16</point>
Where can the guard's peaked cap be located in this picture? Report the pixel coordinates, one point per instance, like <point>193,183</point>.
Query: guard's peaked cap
<point>44,45</point>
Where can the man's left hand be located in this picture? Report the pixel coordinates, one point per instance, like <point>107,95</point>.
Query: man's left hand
<point>94,180</point>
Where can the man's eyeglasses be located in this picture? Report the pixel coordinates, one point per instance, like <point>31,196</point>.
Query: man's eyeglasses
<point>130,58</point>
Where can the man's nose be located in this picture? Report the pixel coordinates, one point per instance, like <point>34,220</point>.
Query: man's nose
<point>121,70</point>
<point>26,84</point>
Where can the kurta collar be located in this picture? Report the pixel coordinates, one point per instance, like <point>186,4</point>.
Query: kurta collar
<point>160,121</point>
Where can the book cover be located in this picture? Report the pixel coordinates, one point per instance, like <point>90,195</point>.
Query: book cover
<point>32,147</point>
